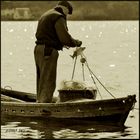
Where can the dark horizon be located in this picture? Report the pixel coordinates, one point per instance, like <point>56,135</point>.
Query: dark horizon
<point>83,10</point>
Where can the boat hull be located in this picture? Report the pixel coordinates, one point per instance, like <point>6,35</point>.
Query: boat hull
<point>28,97</point>
<point>109,110</point>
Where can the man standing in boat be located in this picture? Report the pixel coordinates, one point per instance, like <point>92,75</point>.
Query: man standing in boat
<point>51,36</point>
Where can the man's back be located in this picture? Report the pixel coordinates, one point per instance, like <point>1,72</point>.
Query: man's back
<point>46,32</point>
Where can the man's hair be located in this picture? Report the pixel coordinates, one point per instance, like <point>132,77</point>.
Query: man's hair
<point>66,4</point>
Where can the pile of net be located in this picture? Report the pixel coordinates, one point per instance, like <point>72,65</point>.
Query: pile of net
<point>75,85</point>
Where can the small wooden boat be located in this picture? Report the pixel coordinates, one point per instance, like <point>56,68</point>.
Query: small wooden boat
<point>111,111</point>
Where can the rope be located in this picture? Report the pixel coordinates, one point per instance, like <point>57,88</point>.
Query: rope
<point>95,85</point>
<point>83,72</point>
<point>91,74</point>
<point>74,68</point>
<point>99,80</point>
<point>96,77</point>
<point>83,60</point>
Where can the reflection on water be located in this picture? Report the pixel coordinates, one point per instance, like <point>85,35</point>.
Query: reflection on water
<point>58,129</point>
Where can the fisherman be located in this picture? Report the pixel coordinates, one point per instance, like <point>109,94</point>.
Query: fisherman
<point>51,36</point>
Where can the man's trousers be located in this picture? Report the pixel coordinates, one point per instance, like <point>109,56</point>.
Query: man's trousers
<point>46,70</point>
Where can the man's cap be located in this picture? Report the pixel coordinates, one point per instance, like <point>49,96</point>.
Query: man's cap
<point>66,4</point>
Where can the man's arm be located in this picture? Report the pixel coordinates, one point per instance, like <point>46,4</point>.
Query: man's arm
<point>63,34</point>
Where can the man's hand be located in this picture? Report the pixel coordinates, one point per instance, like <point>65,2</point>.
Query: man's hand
<point>67,47</point>
<point>78,43</point>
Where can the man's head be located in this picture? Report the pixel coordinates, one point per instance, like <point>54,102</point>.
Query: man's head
<point>67,5</point>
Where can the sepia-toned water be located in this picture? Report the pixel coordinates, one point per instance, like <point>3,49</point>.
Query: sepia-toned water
<point>112,53</point>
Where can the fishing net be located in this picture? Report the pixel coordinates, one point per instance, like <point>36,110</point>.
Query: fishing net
<point>71,85</point>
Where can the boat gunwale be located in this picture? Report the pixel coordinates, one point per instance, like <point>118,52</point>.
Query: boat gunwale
<point>70,103</point>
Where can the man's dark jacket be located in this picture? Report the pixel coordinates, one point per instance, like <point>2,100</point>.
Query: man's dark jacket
<point>46,31</point>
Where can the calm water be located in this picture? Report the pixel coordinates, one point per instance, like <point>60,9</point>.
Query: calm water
<point>112,53</point>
